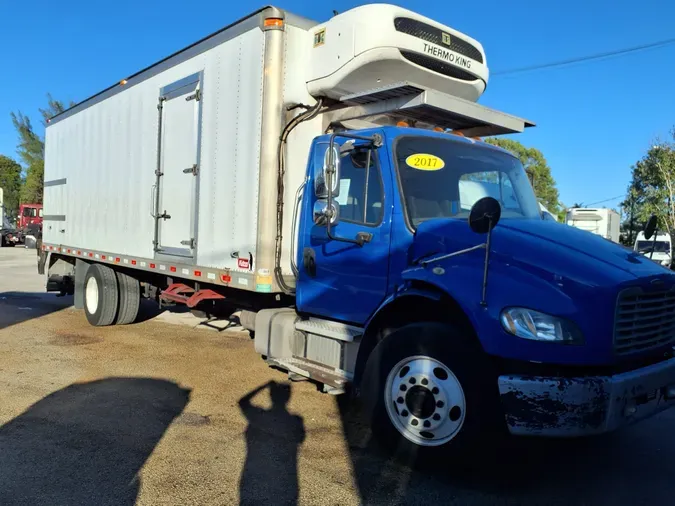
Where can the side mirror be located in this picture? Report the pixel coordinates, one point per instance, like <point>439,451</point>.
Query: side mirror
<point>650,228</point>
<point>321,180</point>
<point>322,214</point>
<point>485,215</point>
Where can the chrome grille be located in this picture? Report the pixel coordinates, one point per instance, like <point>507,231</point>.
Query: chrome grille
<point>644,320</point>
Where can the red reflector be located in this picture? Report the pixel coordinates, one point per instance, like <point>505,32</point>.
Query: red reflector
<point>133,262</point>
<point>198,273</point>
<point>68,251</point>
<point>117,260</point>
<point>172,269</point>
<point>79,252</point>
<point>152,266</point>
<point>225,278</point>
<point>44,247</point>
<point>91,254</point>
<point>102,257</point>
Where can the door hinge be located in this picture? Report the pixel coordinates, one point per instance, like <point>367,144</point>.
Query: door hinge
<point>194,170</point>
<point>197,95</point>
<point>190,243</point>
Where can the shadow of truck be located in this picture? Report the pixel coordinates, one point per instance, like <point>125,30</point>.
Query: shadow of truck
<point>86,443</point>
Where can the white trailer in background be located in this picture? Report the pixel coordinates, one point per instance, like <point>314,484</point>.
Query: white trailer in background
<point>658,248</point>
<point>603,222</point>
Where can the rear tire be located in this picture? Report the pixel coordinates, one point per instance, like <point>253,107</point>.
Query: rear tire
<point>428,391</point>
<point>130,299</point>
<point>101,298</point>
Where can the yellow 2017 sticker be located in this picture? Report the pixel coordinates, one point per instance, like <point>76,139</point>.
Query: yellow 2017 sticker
<point>423,161</point>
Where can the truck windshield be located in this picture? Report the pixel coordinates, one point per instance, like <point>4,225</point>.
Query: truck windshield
<point>659,246</point>
<point>443,178</point>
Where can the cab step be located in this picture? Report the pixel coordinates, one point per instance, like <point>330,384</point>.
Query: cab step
<point>333,330</point>
<point>334,381</point>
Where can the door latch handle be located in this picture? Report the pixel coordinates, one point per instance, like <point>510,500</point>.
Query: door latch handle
<point>153,197</point>
<point>194,170</point>
<point>164,216</point>
<point>363,238</point>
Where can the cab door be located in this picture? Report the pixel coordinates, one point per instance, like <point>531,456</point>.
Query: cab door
<point>338,278</point>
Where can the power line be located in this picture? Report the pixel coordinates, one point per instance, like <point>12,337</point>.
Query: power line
<point>606,200</point>
<point>597,56</point>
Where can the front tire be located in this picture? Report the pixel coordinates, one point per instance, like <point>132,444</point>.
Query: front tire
<point>101,297</point>
<point>427,390</point>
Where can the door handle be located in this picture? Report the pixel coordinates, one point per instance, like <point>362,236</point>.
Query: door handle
<point>165,216</point>
<point>363,238</point>
<point>153,190</point>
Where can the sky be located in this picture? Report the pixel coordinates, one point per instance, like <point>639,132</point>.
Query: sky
<point>594,119</point>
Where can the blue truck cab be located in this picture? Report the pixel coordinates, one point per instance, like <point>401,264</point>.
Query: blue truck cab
<point>549,329</point>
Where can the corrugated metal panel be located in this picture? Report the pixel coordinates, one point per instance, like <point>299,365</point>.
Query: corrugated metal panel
<point>108,152</point>
<point>230,152</point>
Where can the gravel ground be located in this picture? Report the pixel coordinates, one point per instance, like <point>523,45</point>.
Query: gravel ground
<point>155,414</point>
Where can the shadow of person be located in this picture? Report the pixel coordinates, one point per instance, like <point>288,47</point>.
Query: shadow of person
<point>86,443</point>
<point>273,436</point>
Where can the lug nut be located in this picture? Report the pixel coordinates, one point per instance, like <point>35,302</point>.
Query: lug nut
<point>414,422</point>
<point>404,413</point>
<point>413,381</point>
<point>400,400</point>
<point>403,388</point>
<point>436,417</point>
<point>427,423</point>
<point>435,390</point>
<point>425,381</point>
<point>440,404</point>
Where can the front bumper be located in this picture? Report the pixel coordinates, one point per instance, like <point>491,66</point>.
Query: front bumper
<point>568,407</point>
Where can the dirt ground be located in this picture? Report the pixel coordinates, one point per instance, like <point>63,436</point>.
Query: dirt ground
<point>161,413</point>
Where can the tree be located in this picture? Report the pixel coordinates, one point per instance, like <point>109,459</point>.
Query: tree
<point>534,162</point>
<point>31,149</point>
<point>652,187</point>
<point>10,182</point>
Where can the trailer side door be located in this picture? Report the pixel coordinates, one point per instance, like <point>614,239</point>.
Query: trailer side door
<point>177,173</point>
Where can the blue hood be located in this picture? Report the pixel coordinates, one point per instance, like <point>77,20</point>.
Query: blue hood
<point>547,245</point>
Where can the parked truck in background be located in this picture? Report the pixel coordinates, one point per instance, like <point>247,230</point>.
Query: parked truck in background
<point>659,248</point>
<point>8,232</point>
<point>315,176</point>
<point>603,222</point>
<point>29,223</point>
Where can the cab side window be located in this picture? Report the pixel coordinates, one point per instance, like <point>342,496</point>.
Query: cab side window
<point>361,196</point>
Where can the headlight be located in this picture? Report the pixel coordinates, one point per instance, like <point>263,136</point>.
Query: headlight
<point>530,324</point>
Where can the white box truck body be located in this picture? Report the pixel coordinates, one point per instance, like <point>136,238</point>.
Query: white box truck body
<point>603,222</point>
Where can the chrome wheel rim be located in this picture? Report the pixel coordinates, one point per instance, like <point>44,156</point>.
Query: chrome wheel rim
<point>425,401</point>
